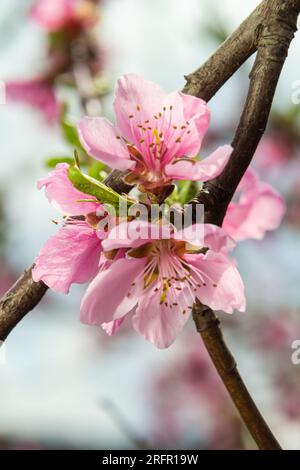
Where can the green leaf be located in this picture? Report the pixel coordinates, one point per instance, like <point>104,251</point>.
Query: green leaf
<point>88,185</point>
<point>53,161</point>
<point>183,193</point>
<point>187,190</point>
<point>70,133</point>
<point>97,170</point>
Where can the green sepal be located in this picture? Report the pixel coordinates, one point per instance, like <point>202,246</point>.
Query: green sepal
<point>53,161</point>
<point>187,190</point>
<point>88,185</point>
<point>70,133</point>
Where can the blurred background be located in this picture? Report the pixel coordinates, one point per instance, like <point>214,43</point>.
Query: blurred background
<point>67,385</point>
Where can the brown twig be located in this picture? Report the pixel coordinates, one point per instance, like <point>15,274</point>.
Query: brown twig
<point>22,297</point>
<point>272,39</point>
<point>227,59</point>
<point>208,326</point>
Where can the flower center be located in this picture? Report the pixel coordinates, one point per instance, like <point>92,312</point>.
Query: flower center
<point>167,272</point>
<point>155,142</point>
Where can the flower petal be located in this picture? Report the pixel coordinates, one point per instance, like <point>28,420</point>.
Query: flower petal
<point>249,181</point>
<point>112,327</point>
<point>106,298</point>
<point>197,110</point>
<point>52,15</point>
<point>217,239</point>
<point>71,255</point>
<point>134,234</point>
<point>180,138</point>
<point>206,235</point>
<point>137,97</point>
<point>221,285</point>
<point>203,170</point>
<point>261,209</point>
<point>99,138</point>
<point>157,323</point>
<point>38,94</point>
<point>63,196</point>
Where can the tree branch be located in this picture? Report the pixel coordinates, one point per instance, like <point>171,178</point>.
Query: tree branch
<point>273,39</point>
<point>227,59</point>
<point>22,297</point>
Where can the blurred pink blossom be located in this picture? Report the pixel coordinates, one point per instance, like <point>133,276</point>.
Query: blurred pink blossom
<point>259,208</point>
<point>188,393</point>
<point>37,93</point>
<point>272,153</point>
<point>54,15</point>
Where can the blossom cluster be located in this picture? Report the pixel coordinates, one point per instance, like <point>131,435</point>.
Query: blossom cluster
<point>145,275</point>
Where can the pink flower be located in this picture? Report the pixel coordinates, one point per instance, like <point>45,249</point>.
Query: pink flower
<point>37,93</point>
<point>54,15</point>
<point>72,254</point>
<point>63,195</point>
<point>156,136</point>
<point>271,153</point>
<point>158,279</point>
<point>260,208</point>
